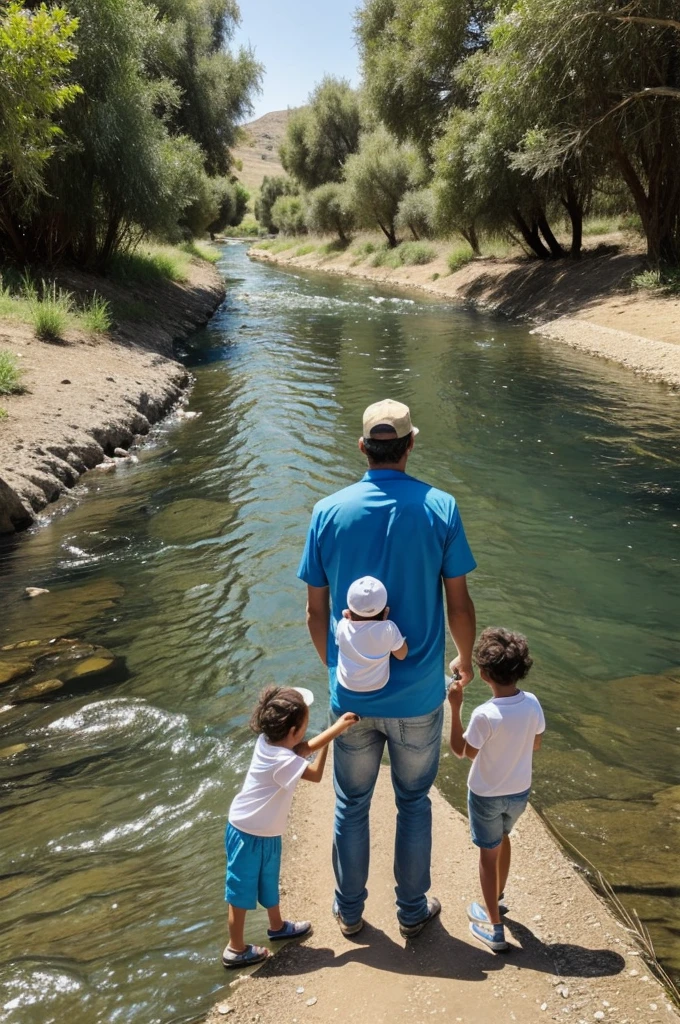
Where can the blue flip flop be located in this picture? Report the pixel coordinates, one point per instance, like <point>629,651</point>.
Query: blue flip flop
<point>290,930</point>
<point>492,935</point>
<point>246,958</point>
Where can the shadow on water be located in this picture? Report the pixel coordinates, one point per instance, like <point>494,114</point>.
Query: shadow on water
<point>113,801</point>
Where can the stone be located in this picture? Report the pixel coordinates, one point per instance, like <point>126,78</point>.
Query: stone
<point>32,690</point>
<point>105,467</point>
<point>299,990</point>
<point>35,591</point>
<point>16,748</point>
<point>121,453</point>
<point>312,1001</point>
<point>224,1008</point>
<point>93,666</point>
<point>13,670</point>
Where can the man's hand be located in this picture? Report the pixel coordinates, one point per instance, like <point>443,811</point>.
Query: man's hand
<point>455,695</point>
<point>466,673</point>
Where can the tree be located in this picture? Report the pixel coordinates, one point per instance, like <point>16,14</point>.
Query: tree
<point>609,71</point>
<point>378,176</point>
<point>410,51</point>
<point>329,212</point>
<point>321,136</point>
<point>417,213</point>
<point>35,51</point>
<point>270,190</point>
<point>288,215</point>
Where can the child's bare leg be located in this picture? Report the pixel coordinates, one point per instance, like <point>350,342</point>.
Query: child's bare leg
<point>276,922</point>
<point>503,864</point>
<point>237,923</point>
<point>488,876</point>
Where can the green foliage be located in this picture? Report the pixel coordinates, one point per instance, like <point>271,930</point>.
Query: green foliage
<point>248,228</point>
<point>417,213</point>
<point>10,374</point>
<point>200,252</point>
<point>329,211</point>
<point>459,258</point>
<point>664,279</point>
<point>304,250</point>
<point>320,136</point>
<point>288,215</point>
<point>270,190</point>
<point>363,249</point>
<point>377,177</point>
<point>150,265</point>
<point>416,253</point>
<point>96,314</point>
<point>410,52</point>
<point>36,48</point>
<point>52,310</point>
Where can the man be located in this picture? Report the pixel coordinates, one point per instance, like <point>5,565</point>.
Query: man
<point>410,536</point>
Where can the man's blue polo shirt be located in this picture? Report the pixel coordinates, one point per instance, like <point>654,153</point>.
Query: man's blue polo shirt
<point>410,536</point>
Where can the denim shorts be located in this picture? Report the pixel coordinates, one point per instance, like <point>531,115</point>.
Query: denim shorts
<point>492,817</point>
<point>253,869</point>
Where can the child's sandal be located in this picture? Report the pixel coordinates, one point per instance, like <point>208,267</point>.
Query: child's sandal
<point>291,930</point>
<point>246,958</point>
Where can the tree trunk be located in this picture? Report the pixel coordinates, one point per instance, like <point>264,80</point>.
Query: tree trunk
<point>416,237</point>
<point>556,250</point>
<point>530,235</point>
<point>574,208</point>
<point>389,234</point>
<point>469,233</point>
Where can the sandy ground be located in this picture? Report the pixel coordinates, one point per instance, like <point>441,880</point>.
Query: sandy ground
<point>570,302</point>
<point>570,959</point>
<point>91,394</point>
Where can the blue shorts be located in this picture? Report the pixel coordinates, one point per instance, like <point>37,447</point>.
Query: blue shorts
<point>253,869</point>
<point>492,817</point>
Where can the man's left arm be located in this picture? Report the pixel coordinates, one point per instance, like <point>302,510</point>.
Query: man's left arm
<point>460,612</point>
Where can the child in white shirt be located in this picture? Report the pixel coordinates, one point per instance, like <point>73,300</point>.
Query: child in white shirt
<point>366,638</point>
<point>500,740</point>
<point>258,814</point>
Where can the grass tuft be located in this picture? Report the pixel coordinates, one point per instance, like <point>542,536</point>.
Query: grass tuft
<point>51,311</point>
<point>416,254</point>
<point>3,414</point>
<point>96,314</point>
<point>10,375</point>
<point>200,252</point>
<point>303,250</point>
<point>665,280</point>
<point>459,257</point>
<point>151,265</point>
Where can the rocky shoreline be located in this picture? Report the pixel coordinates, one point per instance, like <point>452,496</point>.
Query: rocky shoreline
<point>89,396</point>
<point>582,304</point>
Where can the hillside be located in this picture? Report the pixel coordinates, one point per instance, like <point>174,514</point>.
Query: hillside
<point>259,153</point>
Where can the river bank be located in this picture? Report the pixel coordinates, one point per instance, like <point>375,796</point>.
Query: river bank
<point>90,394</point>
<point>587,305</point>
<point>570,958</point>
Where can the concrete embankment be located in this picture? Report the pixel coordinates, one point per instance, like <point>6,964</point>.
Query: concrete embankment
<point>588,304</point>
<point>571,960</point>
<point>88,395</point>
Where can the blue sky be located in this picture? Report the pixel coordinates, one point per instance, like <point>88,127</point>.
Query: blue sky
<point>298,41</point>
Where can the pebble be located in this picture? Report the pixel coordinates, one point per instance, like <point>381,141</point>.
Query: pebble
<point>35,591</point>
<point>299,990</point>
<point>564,992</point>
<point>544,1006</point>
<point>122,453</point>
<point>312,1001</point>
<point>225,1008</point>
<point>599,1015</point>
<point>633,973</point>
<point>105,467</point>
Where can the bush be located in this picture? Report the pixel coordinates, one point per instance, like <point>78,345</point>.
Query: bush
<point>96,314</point>
<point>385,256</point>
<point>51,311</point>
<point>417,213</point>
<point>662,279</point>
<point>416,253</point>
<point>457,259</point>
<point>329,211</point>
<point>288,215</point>
<point>10,375</point>
<point>270,190</point>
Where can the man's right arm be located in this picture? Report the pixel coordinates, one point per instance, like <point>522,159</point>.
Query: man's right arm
<point>318,616</point>
<point>460,612</point>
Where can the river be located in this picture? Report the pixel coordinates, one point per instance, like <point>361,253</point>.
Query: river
<point>114,796</point>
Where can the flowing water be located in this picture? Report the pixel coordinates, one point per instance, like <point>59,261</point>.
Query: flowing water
<point>114,794</point>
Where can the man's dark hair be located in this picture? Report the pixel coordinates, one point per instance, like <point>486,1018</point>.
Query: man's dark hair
<point>279,709</point>
<point>502,655</point>
<point>392,450</point>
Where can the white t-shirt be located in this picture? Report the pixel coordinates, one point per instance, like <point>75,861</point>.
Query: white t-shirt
<point>261,808</point>
<point>364,650</point>
<point>503,731</point>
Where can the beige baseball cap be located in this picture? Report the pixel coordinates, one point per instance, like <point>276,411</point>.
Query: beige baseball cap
<point>388,420</point>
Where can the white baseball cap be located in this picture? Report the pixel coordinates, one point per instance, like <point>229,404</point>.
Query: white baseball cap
<point>366,597</point>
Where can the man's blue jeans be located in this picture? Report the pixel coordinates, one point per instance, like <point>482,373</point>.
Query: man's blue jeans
<point>413,745</point>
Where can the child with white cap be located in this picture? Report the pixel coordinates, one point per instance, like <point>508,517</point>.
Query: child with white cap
<point>366,638</point>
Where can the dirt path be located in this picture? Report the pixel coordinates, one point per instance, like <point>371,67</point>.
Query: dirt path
<point>90,394</point>
<point>587,305</point>
<point>570,961</point>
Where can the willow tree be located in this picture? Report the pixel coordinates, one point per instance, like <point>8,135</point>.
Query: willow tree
<point>320,136</point>
<point>378,177</point>
<point>329,211</point>
<point>604,78</point>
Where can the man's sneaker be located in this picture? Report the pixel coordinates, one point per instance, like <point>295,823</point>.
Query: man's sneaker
<point>346,928</point>
<point>492,935</point>
<point>408,931</point>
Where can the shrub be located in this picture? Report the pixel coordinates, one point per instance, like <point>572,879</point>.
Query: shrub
<point>416,253</point>
<point>288,215</point>
<point>270,190</point>
<point>457,259</point>
<point>51,311</point>
<point>417,213</point>
<point>10,374</point>
<point>96,314</point>
<point>329,211</point>
<point>362,250</point>
<point>662,279</point>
